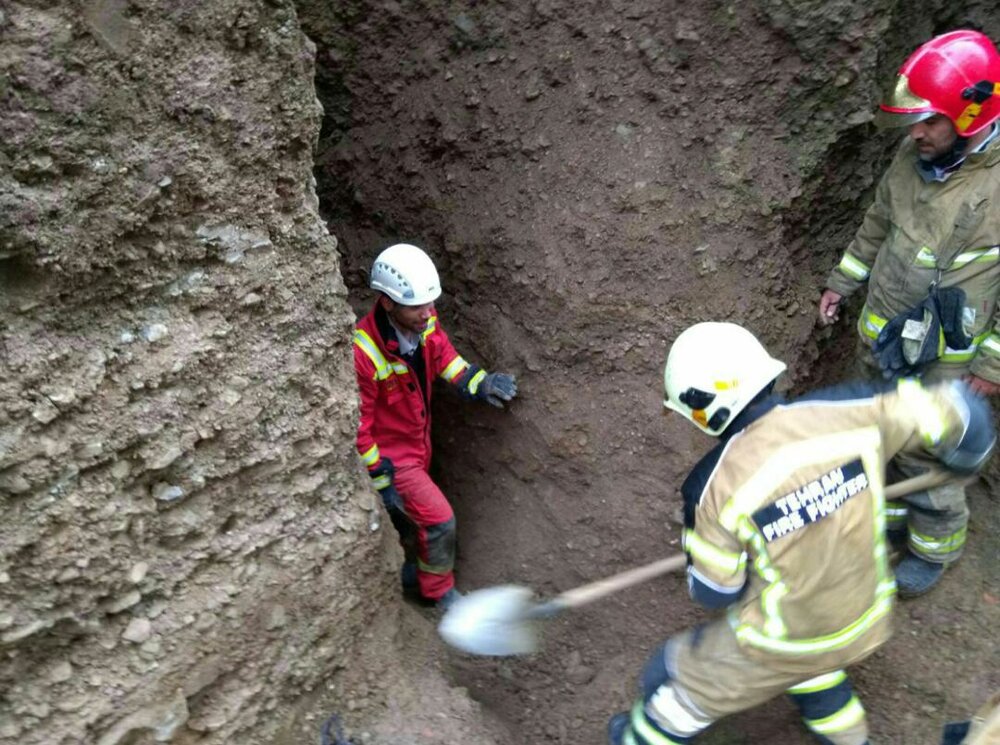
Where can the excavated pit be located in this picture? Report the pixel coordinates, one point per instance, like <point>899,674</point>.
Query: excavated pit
<point>592,178</point>
<point>190,550</point>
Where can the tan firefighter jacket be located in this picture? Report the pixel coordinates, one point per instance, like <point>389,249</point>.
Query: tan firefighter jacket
<point>794,513</point>
<point>916,233</point>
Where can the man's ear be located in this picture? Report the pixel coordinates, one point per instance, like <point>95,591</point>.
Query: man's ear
<point>386,302</point>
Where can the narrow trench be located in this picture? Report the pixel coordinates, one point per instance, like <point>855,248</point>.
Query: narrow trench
<point>584,202</point>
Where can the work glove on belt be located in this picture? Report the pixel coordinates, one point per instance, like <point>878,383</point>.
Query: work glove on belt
<point>918,336</point>
<point>496,388</point>
<point>382,476</point>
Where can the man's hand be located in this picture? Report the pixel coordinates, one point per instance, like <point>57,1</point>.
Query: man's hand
<point>829,307</point>
<point>496,388</point>
<point>982,386</point>
<point>382,478</point>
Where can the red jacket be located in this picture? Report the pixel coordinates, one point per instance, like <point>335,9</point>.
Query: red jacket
<point>395,417</point>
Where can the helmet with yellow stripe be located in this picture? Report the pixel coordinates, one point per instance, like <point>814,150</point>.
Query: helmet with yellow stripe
<point>956,75</point>
<point>713,371</point>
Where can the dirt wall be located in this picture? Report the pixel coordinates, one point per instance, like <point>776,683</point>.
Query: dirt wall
<point>187,543</point>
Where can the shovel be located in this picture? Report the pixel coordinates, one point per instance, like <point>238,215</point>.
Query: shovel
<point>498,621</point>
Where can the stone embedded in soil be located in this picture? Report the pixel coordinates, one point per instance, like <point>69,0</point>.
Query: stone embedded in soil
<point>45,411</point>
<point>138,572</point>
<point>138,631</point>
<point>61,671</point>
<point>160,457</point>
<point>164,492</point>
<point>155,332</point>
<point>277,617</point>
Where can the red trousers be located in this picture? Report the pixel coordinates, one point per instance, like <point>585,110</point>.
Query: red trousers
<point>426,530</point>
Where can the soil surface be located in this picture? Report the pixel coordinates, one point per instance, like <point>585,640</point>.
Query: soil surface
<point>592,178</point>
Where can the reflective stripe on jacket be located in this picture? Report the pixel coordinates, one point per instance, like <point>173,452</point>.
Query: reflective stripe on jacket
<point>916,233</point>
<point>794,509</point>
<point>395,419</point>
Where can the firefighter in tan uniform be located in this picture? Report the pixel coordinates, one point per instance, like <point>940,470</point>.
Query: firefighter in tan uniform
<point>785,526</point>
<point>929,252</point>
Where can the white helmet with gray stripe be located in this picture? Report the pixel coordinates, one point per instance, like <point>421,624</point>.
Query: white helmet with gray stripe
<point>406,274</point>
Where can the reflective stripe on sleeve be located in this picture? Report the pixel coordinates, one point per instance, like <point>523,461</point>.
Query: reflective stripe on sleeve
<point>371,456</point>
<point>381,482</point>
<point>926,258</point>
<point>455,368</point>
<point>476,380</point>
<point>870,324</point>
<point>977,255</point>
<point>930,421</point>
<point>854,268</point>
<point>992,344</point>
<point>701,550</point>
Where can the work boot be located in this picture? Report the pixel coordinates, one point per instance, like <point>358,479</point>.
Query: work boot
<point>408,577</point>
<point>915,576</point>
<point>616,728</point>
<point>448,599</point>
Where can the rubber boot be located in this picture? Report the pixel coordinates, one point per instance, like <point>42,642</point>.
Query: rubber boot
<point>915,576</point>
<point>448,599</point>
<point>408,577</point>
<point>616,728</point>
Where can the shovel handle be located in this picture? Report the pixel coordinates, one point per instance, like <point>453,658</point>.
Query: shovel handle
<point>924,481</point>
<point>603,587</point>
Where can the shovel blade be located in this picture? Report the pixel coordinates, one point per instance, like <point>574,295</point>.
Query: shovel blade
<point>494,621</point>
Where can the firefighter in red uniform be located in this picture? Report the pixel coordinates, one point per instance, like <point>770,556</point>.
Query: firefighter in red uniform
<point>399,350</point>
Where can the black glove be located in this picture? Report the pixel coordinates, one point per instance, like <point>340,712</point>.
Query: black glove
<point>951,304</point>
<point>910,340</point>
<point>496,388</point>
<point>382,476</point>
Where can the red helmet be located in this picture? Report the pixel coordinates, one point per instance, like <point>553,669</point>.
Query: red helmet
<point>956,75</point>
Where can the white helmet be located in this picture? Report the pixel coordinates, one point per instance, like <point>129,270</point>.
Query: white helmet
<point>406,274</point>
<point>713,371</point>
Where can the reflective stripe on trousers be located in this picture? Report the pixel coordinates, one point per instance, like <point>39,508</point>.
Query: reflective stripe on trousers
<point>830,709</point>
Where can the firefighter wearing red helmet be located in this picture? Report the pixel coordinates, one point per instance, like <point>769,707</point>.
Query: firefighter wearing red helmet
<point>955,75</point>
<point>928,251</point>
